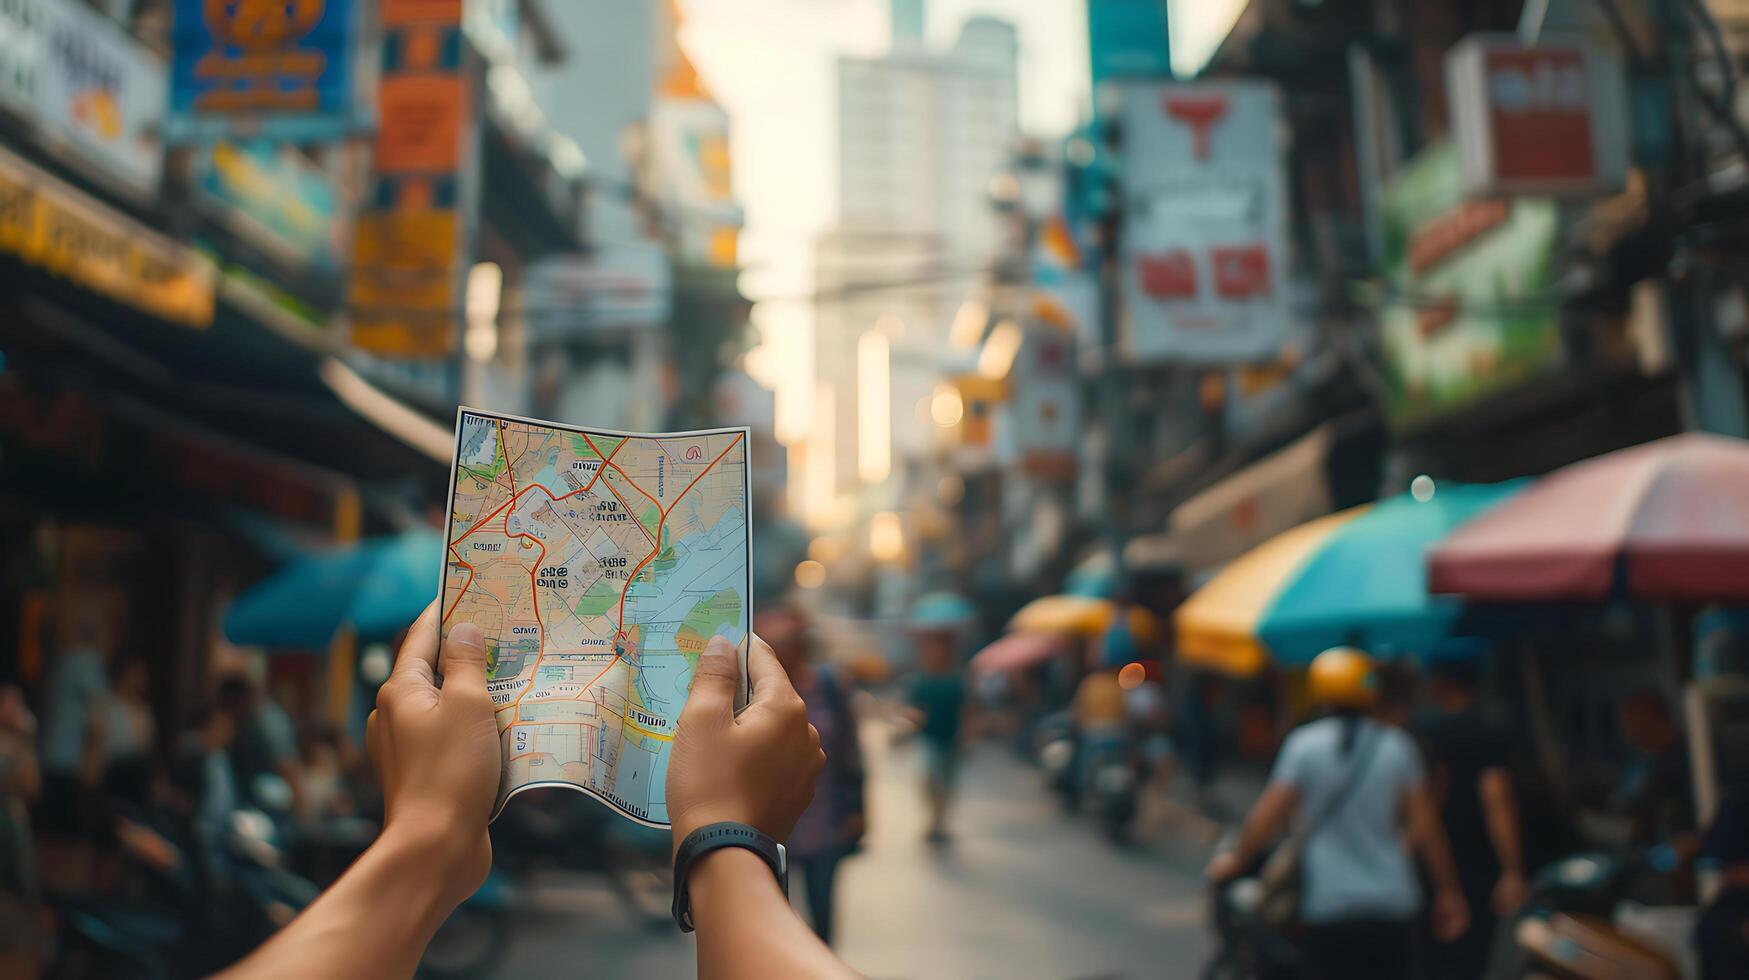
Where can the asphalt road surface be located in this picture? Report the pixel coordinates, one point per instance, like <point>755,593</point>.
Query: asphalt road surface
<point>1023,891</point>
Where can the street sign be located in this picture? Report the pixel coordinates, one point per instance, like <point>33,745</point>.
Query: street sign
<point>411,245</point>
<point>1205,222</point>
<point>48,224</point>
<point>88,86</point>
<point>1543,119</point>
<point>280,70</point>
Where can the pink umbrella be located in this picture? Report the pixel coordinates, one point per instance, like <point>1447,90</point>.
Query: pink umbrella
<point>1672,515</point>
<point>1018,651</point>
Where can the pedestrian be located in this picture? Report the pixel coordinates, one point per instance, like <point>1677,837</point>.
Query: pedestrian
<point>745,776</point>
<point>1470,770</point>
<point>1721,933</point>
<point>1100,711</point>
<point>71,819</point>
<point>1657,788</point>
<point>1354,791</point>
<point>833,825</point>
<point>264,754</point>
<point>130,733</point>
<point>937,705</point>
<point>21,941</point>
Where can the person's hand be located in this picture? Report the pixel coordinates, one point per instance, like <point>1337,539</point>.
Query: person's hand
<point>1451,914</point>
<point>756,768</point>
<point>1509,893</point>
<point>1223,867</point>
<point>15,716</point>
<point>436,750</point>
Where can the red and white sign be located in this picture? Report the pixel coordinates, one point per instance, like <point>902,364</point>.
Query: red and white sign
<point>1544,119</point>
<point>1205,212</point>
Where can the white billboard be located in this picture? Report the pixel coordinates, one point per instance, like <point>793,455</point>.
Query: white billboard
<point>1205,248</point>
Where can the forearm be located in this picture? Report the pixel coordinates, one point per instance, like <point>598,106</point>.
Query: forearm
<point>1430,843</point>
<point>1266,821</point>
<point>374,922</point>
<point>746,927</point>
<point>1500,812</point>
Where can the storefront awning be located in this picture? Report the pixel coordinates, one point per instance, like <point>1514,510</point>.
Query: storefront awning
<point>1278,492</point>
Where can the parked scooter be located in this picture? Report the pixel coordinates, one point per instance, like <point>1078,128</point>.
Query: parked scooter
<point>188,906</point>
<point>1568,924</point>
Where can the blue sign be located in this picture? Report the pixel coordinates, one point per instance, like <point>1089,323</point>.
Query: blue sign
<point>275,68</point>
<point>1128,38</point>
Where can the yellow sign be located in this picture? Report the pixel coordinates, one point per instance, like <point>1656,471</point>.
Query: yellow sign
<point>60,230</point>
<point>402,290</point>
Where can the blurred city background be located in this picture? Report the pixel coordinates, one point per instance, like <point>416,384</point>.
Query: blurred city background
<point>1105,362</point>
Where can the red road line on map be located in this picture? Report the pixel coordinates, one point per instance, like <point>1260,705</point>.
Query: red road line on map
<point>509,470</point>
<point>622,475</point>
<point>635,519</point>
<point>536,486</point>
<point>619,628</point>
<point>508,503</point>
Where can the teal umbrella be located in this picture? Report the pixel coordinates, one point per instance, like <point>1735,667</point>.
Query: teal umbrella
<point>1366,583</point>
<point>377,586</point>
<point>939,610</point>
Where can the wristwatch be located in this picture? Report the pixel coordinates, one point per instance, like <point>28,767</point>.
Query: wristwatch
<point>711,837</point>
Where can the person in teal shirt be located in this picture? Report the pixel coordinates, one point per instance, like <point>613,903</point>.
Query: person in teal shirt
<point>937,706</point>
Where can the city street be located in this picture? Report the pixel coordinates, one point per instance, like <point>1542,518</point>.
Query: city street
<point>1023,892</point>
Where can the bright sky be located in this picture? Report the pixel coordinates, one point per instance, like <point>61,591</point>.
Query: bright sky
<point>771,65</point>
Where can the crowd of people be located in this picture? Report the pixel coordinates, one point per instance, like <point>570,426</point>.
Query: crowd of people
<point>91,791</point>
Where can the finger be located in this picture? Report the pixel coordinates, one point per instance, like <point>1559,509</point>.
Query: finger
<point>713,683</point>
<point>464,659</point>
<point>417,659</point>
<point>770,683</point>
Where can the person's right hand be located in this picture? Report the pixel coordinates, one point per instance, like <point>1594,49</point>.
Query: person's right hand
<point>436,750</point>
<point>1451,914</point>
<point>757,768</point>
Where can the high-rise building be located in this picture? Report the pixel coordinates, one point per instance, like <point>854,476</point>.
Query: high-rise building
<point>920,134</point>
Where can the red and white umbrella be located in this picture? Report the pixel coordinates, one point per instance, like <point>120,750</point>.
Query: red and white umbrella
<point>1665,520</point>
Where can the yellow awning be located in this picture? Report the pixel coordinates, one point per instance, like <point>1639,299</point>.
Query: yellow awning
<point>1216,627</point>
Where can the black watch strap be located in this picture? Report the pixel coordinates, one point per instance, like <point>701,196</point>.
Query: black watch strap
<point>711,837</point>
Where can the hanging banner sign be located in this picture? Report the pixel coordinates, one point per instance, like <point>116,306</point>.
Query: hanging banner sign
<point>1543,119</point>
<point>280,70</point>
<point>1205,223</point>
<point>49,225</point>
<point>87,85</point>
<point>411,244</point>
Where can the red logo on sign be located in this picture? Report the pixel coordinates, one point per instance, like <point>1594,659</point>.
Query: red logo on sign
<point>1169,275</point>
<point>1200,113</point>
<point>1539,108</point>
<point>1241,271</point>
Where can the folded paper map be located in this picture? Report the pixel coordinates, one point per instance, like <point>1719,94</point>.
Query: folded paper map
<point>597,564</point>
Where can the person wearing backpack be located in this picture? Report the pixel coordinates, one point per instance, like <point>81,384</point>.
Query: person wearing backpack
<point>1355,794</point>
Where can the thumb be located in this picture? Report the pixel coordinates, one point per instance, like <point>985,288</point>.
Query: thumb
<point>463,659</point>
<point>713,683</point>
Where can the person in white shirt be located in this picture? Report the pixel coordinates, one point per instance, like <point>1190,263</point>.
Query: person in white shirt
<point>1355,790</point>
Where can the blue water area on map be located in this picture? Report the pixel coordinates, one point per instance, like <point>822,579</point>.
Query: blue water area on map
<point>705,564</point>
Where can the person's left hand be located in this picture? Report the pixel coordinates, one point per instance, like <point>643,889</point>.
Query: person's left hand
<point>436,749</point>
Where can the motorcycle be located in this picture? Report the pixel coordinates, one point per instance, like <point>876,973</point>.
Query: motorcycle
<point>191,904</point>
<point>1570,925</point>
<point>1115,779</point>
<point>1056,746</point>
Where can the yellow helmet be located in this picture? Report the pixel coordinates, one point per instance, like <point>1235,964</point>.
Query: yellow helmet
<point>1342,677</point>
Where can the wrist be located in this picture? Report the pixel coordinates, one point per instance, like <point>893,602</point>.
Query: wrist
<point>728,876</point>
<point>445,859</point>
